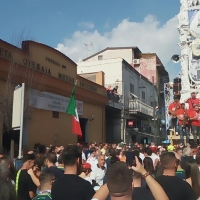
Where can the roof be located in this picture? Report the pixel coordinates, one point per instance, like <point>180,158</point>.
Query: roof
<point>113,48</point>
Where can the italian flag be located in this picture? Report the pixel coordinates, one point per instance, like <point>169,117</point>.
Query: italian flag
<point>72,110</point>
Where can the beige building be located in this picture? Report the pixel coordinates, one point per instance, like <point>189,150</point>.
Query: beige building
<point>49,77</point>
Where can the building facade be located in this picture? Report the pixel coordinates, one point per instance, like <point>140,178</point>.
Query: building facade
<point>139,94</point>
<point>49,77</point>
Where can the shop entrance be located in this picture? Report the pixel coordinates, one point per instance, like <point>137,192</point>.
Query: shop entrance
<point>84,128</point>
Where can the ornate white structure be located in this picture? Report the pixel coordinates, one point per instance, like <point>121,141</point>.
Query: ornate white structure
<point>189,29</point>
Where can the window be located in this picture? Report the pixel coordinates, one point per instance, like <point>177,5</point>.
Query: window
<point>100,57</point>
<point>143,95</point>
<point>55,114</point>
<point>63,66</point>
<point>131,88</point>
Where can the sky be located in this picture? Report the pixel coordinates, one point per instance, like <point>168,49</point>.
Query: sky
<point>80,28</point>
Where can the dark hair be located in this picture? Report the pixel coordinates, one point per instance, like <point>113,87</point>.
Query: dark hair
<point>42,149</point>
<point>52,157</point>
<point>159,170</point>
<point>60,160</point>
<point>27,157</point>
<point>167,159</point>
<point>92,150</point>
<point>46,177</point>
<point>38,164</point>
<point>70,155</point>
<point>148,151</point>
<point>192,171</point>
<point>136,175</point>
<point>148,165</point>
<point>5,161</point>
<point>119,178</point>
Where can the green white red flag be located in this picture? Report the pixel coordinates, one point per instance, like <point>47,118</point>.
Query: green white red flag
<point>72,110</point>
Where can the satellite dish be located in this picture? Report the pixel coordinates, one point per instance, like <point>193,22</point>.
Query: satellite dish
<point>175,58</point>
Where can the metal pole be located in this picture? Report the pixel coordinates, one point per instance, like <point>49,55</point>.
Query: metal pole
<point>21,121</point>
<point>165,113</point>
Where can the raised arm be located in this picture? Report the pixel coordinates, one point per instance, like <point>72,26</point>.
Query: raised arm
<point>34,178</point>
<point>102,193</point>
<point>156,190</point>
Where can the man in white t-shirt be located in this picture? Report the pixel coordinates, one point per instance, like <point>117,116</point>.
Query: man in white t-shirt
<point>98,172</point>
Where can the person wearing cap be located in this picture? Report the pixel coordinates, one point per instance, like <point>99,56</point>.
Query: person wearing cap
<point>192,101</point>
<point>173,107</point>
<point>183,123</point>
<point>86,172</point>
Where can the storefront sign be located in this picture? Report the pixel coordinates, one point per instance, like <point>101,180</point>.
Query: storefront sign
<point>50,101</point>
<point>27,62</point>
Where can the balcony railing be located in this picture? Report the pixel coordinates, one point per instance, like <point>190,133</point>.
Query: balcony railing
<point>136,106</point>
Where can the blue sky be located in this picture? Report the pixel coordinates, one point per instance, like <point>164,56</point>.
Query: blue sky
<point>69,24</point>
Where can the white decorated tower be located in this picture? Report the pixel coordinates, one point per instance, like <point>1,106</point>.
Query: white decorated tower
<point>189,30</point>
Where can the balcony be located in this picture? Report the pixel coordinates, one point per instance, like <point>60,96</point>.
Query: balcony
<point>138,107</point>
<point>114,100</point>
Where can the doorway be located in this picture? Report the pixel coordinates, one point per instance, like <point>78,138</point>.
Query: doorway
<point>84,128</point>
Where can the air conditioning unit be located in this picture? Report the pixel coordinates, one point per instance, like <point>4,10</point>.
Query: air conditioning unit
<point>136,61</point>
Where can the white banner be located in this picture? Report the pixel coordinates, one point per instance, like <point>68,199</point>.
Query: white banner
<point>50,101</point>
<point>16,114</point>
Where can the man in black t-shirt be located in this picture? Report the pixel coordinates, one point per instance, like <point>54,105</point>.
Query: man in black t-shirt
<point>70,186</point>
<point>50,161</point>
<point>175,188</point>
<point>140,193</point>
<point>24,186</point>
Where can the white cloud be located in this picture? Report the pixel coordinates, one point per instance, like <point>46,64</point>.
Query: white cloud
<point>148,35</point>
<point>87,25</point>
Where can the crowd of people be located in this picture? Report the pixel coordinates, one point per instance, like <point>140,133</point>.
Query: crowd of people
<point>103,172</point>
<point>185,118</point>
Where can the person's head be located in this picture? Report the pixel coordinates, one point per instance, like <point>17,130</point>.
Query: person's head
<point>196,108</point>
<point>193,95</point>
<point>42,149</point>
<point>46,180</point>
<point>28,160</point>
<point>148,165</point>
<point>192,171</point>
<point>5,173</point>
<point>176,99</point>
<point>5,161</point>
<point>147,152</point>
<point>60,160</point>
<point>71,156</point>
<point>119,180</point>
<point>51,158</point>
<point>93,151</point>
<point>37,168</point>
<point>116,86</point>
<point>168,161</point>
<point>105,146</point>
<point>114,146</point>
<point>183,105</point>
<point>101,160</point>
<point>86,168</point>
<point>187,151</point>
